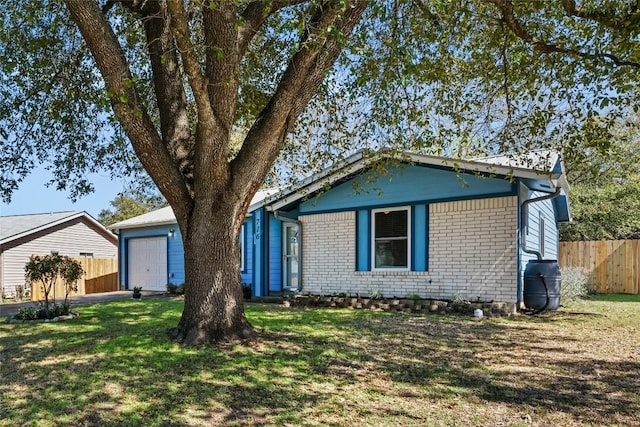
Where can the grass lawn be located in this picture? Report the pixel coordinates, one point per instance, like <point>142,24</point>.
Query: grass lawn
<point>115,366</point>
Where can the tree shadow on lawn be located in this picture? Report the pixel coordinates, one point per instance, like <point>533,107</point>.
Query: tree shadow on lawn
<point>133,375</point>
<point>509,362</point>
<point>162,385</point>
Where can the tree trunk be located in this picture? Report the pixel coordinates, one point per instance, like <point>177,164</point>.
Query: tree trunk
<point>214,304</point>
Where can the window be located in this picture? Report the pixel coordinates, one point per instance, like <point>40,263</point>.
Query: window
<point>391,241</point>
<point>542,236</point>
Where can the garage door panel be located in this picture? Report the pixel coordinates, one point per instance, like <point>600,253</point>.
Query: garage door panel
<point>147,263</point>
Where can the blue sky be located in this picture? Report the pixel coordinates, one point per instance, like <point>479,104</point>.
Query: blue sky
<point>34,197</point>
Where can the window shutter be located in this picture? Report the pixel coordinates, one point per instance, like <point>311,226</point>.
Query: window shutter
<point>363,240</point>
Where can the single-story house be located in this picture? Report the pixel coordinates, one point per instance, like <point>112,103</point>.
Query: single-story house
<point>431,226</point>
<point>72,233</point>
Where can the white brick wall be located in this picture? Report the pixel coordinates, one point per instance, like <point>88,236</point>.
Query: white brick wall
<point>472,248</point>
<point>472,252</point>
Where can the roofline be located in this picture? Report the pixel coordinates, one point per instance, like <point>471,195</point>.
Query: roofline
<point>73,216</point>
<point>143,224</point>
<point>358,162</point>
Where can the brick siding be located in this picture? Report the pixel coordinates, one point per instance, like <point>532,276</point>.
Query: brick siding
<point>472,252</point>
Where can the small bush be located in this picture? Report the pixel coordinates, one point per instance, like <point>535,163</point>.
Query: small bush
<point>175,289</point>
<point>414,297</point>
<point>53,311</point>
<point>32,313</point>
<point>27,313</point>
<point>376,294</point>
<point>246,290</point>
<point>576,283</point>
<point>20,293</point>
<point>457,298</point>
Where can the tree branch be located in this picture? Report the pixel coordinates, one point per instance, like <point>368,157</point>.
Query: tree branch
<point>254,15</point>
<point>607,18</point>
<point>168,85</point>
<point>222,64</point>
<point>508,16</point>
<point>197,81</point>
<point>124,98</point>
<point>210,166</point>
<point>297,86</point>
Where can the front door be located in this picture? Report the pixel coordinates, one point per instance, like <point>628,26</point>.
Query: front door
<point>290,246</point>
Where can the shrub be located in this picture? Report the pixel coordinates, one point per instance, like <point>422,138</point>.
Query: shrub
<point>20,293</point>
<point>27,313</point>
<point>414,297</point>
<point>175,289</point>
<point>53,311</point>
<point>577,282</point>
<point>376,294</point>
<point>246,290</point>
<point>457,298</point>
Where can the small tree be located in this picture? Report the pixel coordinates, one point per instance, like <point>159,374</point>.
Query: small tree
<point>47,269</point>
<point>70,271</point>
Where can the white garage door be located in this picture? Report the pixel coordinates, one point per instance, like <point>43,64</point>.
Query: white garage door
<point>148,263</point>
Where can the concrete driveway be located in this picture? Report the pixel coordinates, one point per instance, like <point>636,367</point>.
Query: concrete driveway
<point>12,308</point>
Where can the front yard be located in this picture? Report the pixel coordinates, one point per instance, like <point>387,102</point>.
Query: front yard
<point>115,366</point>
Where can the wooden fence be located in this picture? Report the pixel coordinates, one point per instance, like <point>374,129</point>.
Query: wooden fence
<point>100,275</point>
<point>615,264</point>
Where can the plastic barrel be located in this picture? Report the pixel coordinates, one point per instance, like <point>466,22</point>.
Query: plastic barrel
<point>536,275</point>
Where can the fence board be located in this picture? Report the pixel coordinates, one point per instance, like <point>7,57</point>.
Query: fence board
<point>101,275</point>
<point>615,264</point>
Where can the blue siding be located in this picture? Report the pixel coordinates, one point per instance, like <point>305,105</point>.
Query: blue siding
<point>363,240</point>
<point>259,253</point>
<point>407,185</point>
<point>247,268</point>
<point>531,230</point>
<point>275,254</point>
<point>175,252</point>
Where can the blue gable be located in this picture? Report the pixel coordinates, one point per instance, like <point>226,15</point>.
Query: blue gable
<point>409,184</point>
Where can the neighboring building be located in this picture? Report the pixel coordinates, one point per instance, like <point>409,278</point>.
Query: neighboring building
<point>74,234</point>
<point>430,226</point>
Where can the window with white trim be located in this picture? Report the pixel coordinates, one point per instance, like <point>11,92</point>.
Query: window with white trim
<point>391,231</point>
<point>542,237</point>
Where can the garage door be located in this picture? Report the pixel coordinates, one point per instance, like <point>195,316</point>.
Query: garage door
<point>147,263</point>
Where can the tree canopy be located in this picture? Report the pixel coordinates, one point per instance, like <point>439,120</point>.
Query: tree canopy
<point>605,184</point>
<point>130,203</point>
<point>165,84</point>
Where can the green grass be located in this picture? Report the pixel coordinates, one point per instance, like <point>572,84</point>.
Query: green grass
<point>116,366</point>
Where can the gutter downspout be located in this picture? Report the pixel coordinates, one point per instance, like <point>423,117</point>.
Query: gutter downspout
<point>279,217</point>
<point>523,217</point>
<point>523,238</point>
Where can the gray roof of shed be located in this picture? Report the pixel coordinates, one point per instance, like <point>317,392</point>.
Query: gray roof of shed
<point>15,226</point>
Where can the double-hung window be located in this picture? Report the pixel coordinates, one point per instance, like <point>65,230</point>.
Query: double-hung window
<point>391,231</point>
<point>542,236</point>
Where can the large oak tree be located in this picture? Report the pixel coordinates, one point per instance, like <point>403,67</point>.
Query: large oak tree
<point>88,84</point>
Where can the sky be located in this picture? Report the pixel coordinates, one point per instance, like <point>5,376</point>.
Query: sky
<point>34,197</point>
